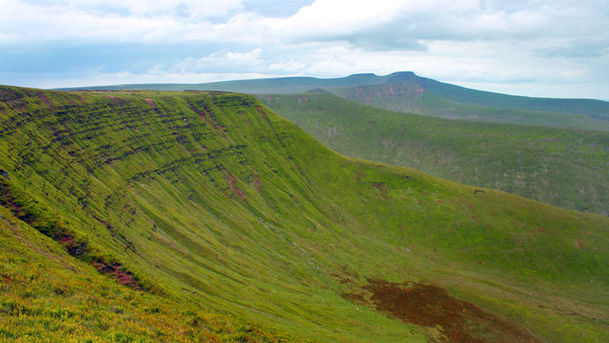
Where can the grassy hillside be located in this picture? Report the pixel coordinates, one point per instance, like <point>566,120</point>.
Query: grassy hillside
<point>49,296</point>
<point>566,168</point>
<point>591,107</point>
<point>212,200</point>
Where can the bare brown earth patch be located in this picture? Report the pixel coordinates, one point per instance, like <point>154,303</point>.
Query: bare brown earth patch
<point>73,247</point>
<point>261,112</point>
<point>150,102</point>
<point>233,185</point>
<point>432,306</point>
<point>46,101</point>
<point>114,99</point>
<point>116,271</point>
<point>382,189</point>
<point>257,182</point>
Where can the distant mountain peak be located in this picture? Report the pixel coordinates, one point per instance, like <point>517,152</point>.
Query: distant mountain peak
<point>362,76</point>
<point>400,76</point>
<point>403,73</point>
<point>319,91</point>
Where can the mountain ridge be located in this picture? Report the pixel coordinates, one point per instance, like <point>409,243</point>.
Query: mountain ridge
<point>367,78</point>
<point>408,92</point>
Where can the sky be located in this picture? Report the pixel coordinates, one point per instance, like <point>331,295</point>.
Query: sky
<point>554,48</point>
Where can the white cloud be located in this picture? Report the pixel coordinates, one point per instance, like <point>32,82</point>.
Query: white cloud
<point>112,20</point>
<point>289,67</point>
<point>323,20</point>
<point>153,76</point>
<point>414,20</point>
<point>188,8</point>
<point>505,23</point>
<point>224,61</point>
<point>142,20</point>
<point>338,17</point>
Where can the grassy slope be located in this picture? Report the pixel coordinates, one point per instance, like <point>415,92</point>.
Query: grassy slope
<point>590,107</point>
<point>218,202</point>
<point>49,296</point>
<point>566,168</point>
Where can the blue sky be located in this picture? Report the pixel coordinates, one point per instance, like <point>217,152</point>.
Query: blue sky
<point>539,47</point>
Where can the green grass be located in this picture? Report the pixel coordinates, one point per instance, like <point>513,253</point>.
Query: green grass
<point>48,296</point>
<point>219,204</point>
<point>566,168</point>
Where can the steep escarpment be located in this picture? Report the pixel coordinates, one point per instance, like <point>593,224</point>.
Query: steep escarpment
<point>214,200</point>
